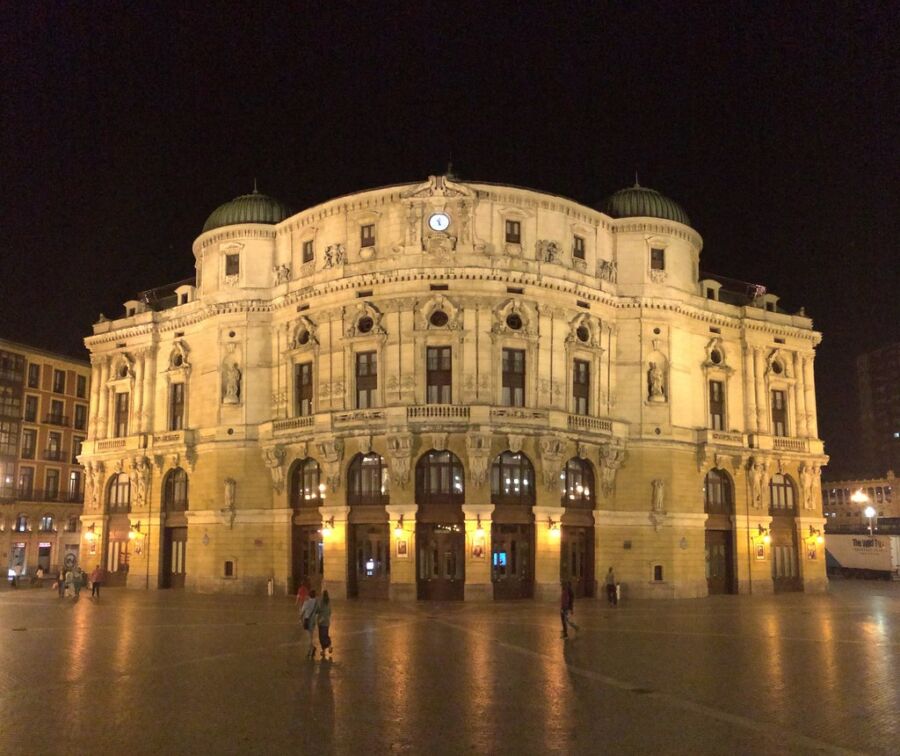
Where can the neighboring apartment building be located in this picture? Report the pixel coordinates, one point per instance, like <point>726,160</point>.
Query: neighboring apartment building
<point>878,375</point>
<point>455,390</point>
<point>43,423</point>
<point>843,513</point>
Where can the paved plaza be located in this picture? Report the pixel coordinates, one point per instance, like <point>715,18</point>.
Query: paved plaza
<point>165,672</point>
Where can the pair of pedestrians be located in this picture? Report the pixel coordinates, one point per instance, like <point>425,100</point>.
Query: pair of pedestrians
<point>567,601</point>
<point>316,614</point>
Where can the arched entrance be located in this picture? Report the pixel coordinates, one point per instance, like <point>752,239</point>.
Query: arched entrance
<point>576,557</point>
<point>118,503</point>
<point>512,529</point>
<point>307,554</point>
<point>440,527</point>
<point>368,537</point>
<point>175,533</point>
<point>783,509</point>
<point>718,497</point>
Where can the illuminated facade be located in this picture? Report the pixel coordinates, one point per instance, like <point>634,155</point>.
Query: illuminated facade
<point>455,390</point>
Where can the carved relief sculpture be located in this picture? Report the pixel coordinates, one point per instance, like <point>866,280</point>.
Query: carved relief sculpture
<point>282,273</point>
<point>229,511</point>
<point>553,450</point>
<point>547,251</point>
<point>658,503</point>
<point>274,460</point>
<point>611,459</point>
<point>478,446</point>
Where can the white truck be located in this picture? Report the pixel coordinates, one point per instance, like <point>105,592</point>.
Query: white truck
<point>862,555</point>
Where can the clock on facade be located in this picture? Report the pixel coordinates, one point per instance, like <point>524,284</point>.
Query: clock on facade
<point>439,221</point>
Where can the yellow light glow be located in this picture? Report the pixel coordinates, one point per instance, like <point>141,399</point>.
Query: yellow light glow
<point>89,536</point>
<point>819,539</point>
<point>326,531</point>
<point>555,533</point>
<point>767,539</point>
<point>398,532</point>
<point>132,535</point>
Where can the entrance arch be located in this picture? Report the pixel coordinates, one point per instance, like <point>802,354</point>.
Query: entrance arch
<point>577,497</point>
<point>512,527</point>
<point>118,505</point>
<point>305,493</point>
<point>440,527</point>
<point>783,509</point>
<point>718,503</point>
<point>175,533</point>
<point>368,537</point>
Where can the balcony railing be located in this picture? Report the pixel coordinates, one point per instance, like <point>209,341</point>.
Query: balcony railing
<point>790,444</point>
<point>28,453</point>
<point>294,423</point>
<point>37,494</point>
<point>56,419</point>
<point>591,424</point>
<point>54,455</point>
<point>446,412</point>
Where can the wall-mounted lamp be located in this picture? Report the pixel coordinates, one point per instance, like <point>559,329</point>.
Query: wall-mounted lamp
<point>327,526</point>
<point>815,535</point>
<point>479,528</point>
<point>135,531</point>
<point>553,527</point>
<point>763,535</point>
<point>90,535</point>
<point>398,528</point>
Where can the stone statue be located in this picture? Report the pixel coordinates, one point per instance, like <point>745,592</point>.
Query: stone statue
<point>334,255</point>
<point>655,381</point>
<point>232,385</point>
<point>807,478</point>
<point>757,481</point>
<point>659,496</point>
<point>229,510</point>
<point>608,270</point>
<point>282,273</point>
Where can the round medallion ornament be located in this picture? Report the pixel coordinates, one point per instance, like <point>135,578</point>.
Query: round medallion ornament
<point>439,222</point>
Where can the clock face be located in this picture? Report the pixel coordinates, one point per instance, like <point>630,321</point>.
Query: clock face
<point>439,221</point>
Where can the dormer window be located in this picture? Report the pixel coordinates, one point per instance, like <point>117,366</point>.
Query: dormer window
<point>308,252</point>
<point>513,232</point>
<point>578,248</point>
<point>232,265</point>
<point>657,259</point>
<point>367,235</point>
<point>183,299</point>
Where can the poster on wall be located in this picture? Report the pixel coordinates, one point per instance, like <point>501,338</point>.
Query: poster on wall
<point>811,551</point>
<point>478,547</point>
<point>760,551</point>
<point>402,548</point>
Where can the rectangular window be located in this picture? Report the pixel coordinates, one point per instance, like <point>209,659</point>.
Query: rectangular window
<point>51,489</point>
<point>366,379</point>
<point>26,482</point>
<point>56,413</point>
<point>581,386</point>
<point>34,376</point>
<point>308,253</point>
<point>367,235</point>
<point>232,265</point>
<point>439,375</point>
<point>81,386</point>
<point>121,423</point>
<point>77,443</point>
<point>10,403</point>
<point>578,249</point>
<point>717,405</point>
<point>54,452</point>
<point>779,414</point>
<point>513,378</point>
<point>12,367</point>
<point>59,381</point>
<point>31,406</point>
<point>513,232</point>
<point>176,406</point>
<point>80,416</point>
<point>73,493</point>
<point>7,480</point>
<point>657,259</point>
<point>9,438</point>
<point>29,443</point>
<point>303,389</point>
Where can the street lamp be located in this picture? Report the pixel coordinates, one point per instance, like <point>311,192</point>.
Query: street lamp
<point>870,513</point>
<point>859,497</point>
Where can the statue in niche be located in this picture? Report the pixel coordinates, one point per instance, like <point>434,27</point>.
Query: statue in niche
<point>655,382</point>
<point>232,385</point>
<point>659,496</point>
<point>757,481</point>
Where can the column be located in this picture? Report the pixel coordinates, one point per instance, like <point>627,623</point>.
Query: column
<point>478,552</point>
<point>103,393</point>
<point>402,526</point>
<point>809,388</point>
<point>94,407</point>
<point>137,424</point>
<point>811,553</point>
<point>749,391</point>
<point>149,397</point>
<point>611,362</point>
<point>334,548</point>
<point>759,380</point>
<point>547,538</point>
<point>800,412</point>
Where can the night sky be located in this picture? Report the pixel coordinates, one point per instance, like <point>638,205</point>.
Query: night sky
<point>775,125</point>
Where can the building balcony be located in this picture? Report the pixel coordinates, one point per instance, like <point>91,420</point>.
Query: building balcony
<point>118,444</point>
<point>28,453</point>
<point>39,495</point>
<point>721,438</point>
<point>766,442</point>
<point>172,438</point>
<point>56,420</point>
<point>54,455</point>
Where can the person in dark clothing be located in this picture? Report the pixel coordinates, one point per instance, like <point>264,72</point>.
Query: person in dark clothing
<point>567,608</point>
<point>612,594</point>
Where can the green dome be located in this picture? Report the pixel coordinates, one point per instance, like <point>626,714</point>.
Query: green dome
<point>640,202</point>
<point>248,208</point>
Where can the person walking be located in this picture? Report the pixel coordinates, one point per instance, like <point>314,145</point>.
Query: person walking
<point>308,620</point>
<point>612,593</point>
<point>96,581</point>
<point>78,581</point>
<point>567,608</point>
<point>324,619</point>
<point>61,582</point>
<point>70,582</point>
<point>302,594</point>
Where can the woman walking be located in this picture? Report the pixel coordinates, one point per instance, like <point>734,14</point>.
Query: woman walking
<point>308,619</point>
<point>567,608</point>
<point>324,620</point>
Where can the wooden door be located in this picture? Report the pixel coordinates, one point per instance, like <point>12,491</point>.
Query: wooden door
<point>719,561</point>
<point>512,561</point>
<point>441,562</point>
<point>576,559</point>
<point>174,558</point>
<point>370,561</point>
<point>307,556</point>
<point>783,549</point>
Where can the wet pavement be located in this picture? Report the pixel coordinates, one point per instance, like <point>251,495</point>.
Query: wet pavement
<point>164,672</point>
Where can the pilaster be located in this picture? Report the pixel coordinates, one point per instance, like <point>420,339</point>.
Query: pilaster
<point>547,537</point>
<point>478,565</point>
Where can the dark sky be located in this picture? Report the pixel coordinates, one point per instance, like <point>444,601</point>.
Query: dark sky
<point>774,124</point>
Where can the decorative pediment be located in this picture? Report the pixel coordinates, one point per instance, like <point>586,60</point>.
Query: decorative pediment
<point>438,186</point>
<point>584,330</point>
<point>178,357</point>
<point>779,365</point>
<point>122,368</point>
<point>438,313</point>
<point>304,333</point>
<point>363,320</point>
<point>514,318</point>
<point>716,356</point>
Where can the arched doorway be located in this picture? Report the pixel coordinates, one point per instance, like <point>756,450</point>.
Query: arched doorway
<point>512,529</point>
<point>118,505</point>
<point>783,509</point>
<point>718,498</point>
<point>576,557</point>
<point>440,527</point>
<point>175,533</point>
<point>369,540</point>
<point>307,555</point>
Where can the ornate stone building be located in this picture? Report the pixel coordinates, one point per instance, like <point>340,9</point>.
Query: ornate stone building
<point>455,390</point>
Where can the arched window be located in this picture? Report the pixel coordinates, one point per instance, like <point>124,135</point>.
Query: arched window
<point>718,493</point>
<point>21,523</point>
<point>512,479</point>
<point>577,484</point>
<point>367,480</point>
<point>781,491</point>
<point>306,488</point>
<point>118,494</point>
<point>175,491</point>
<point>439,478</point>
<point>46,523</point>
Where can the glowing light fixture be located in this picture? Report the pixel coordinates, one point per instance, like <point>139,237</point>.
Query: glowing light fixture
<point>398,528</point>
<point>90,535</point>
<point>764,535</point>
<point>479,529</point>
<point>135,531</point>
<point>553,527</point>
<point>327,527</point>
